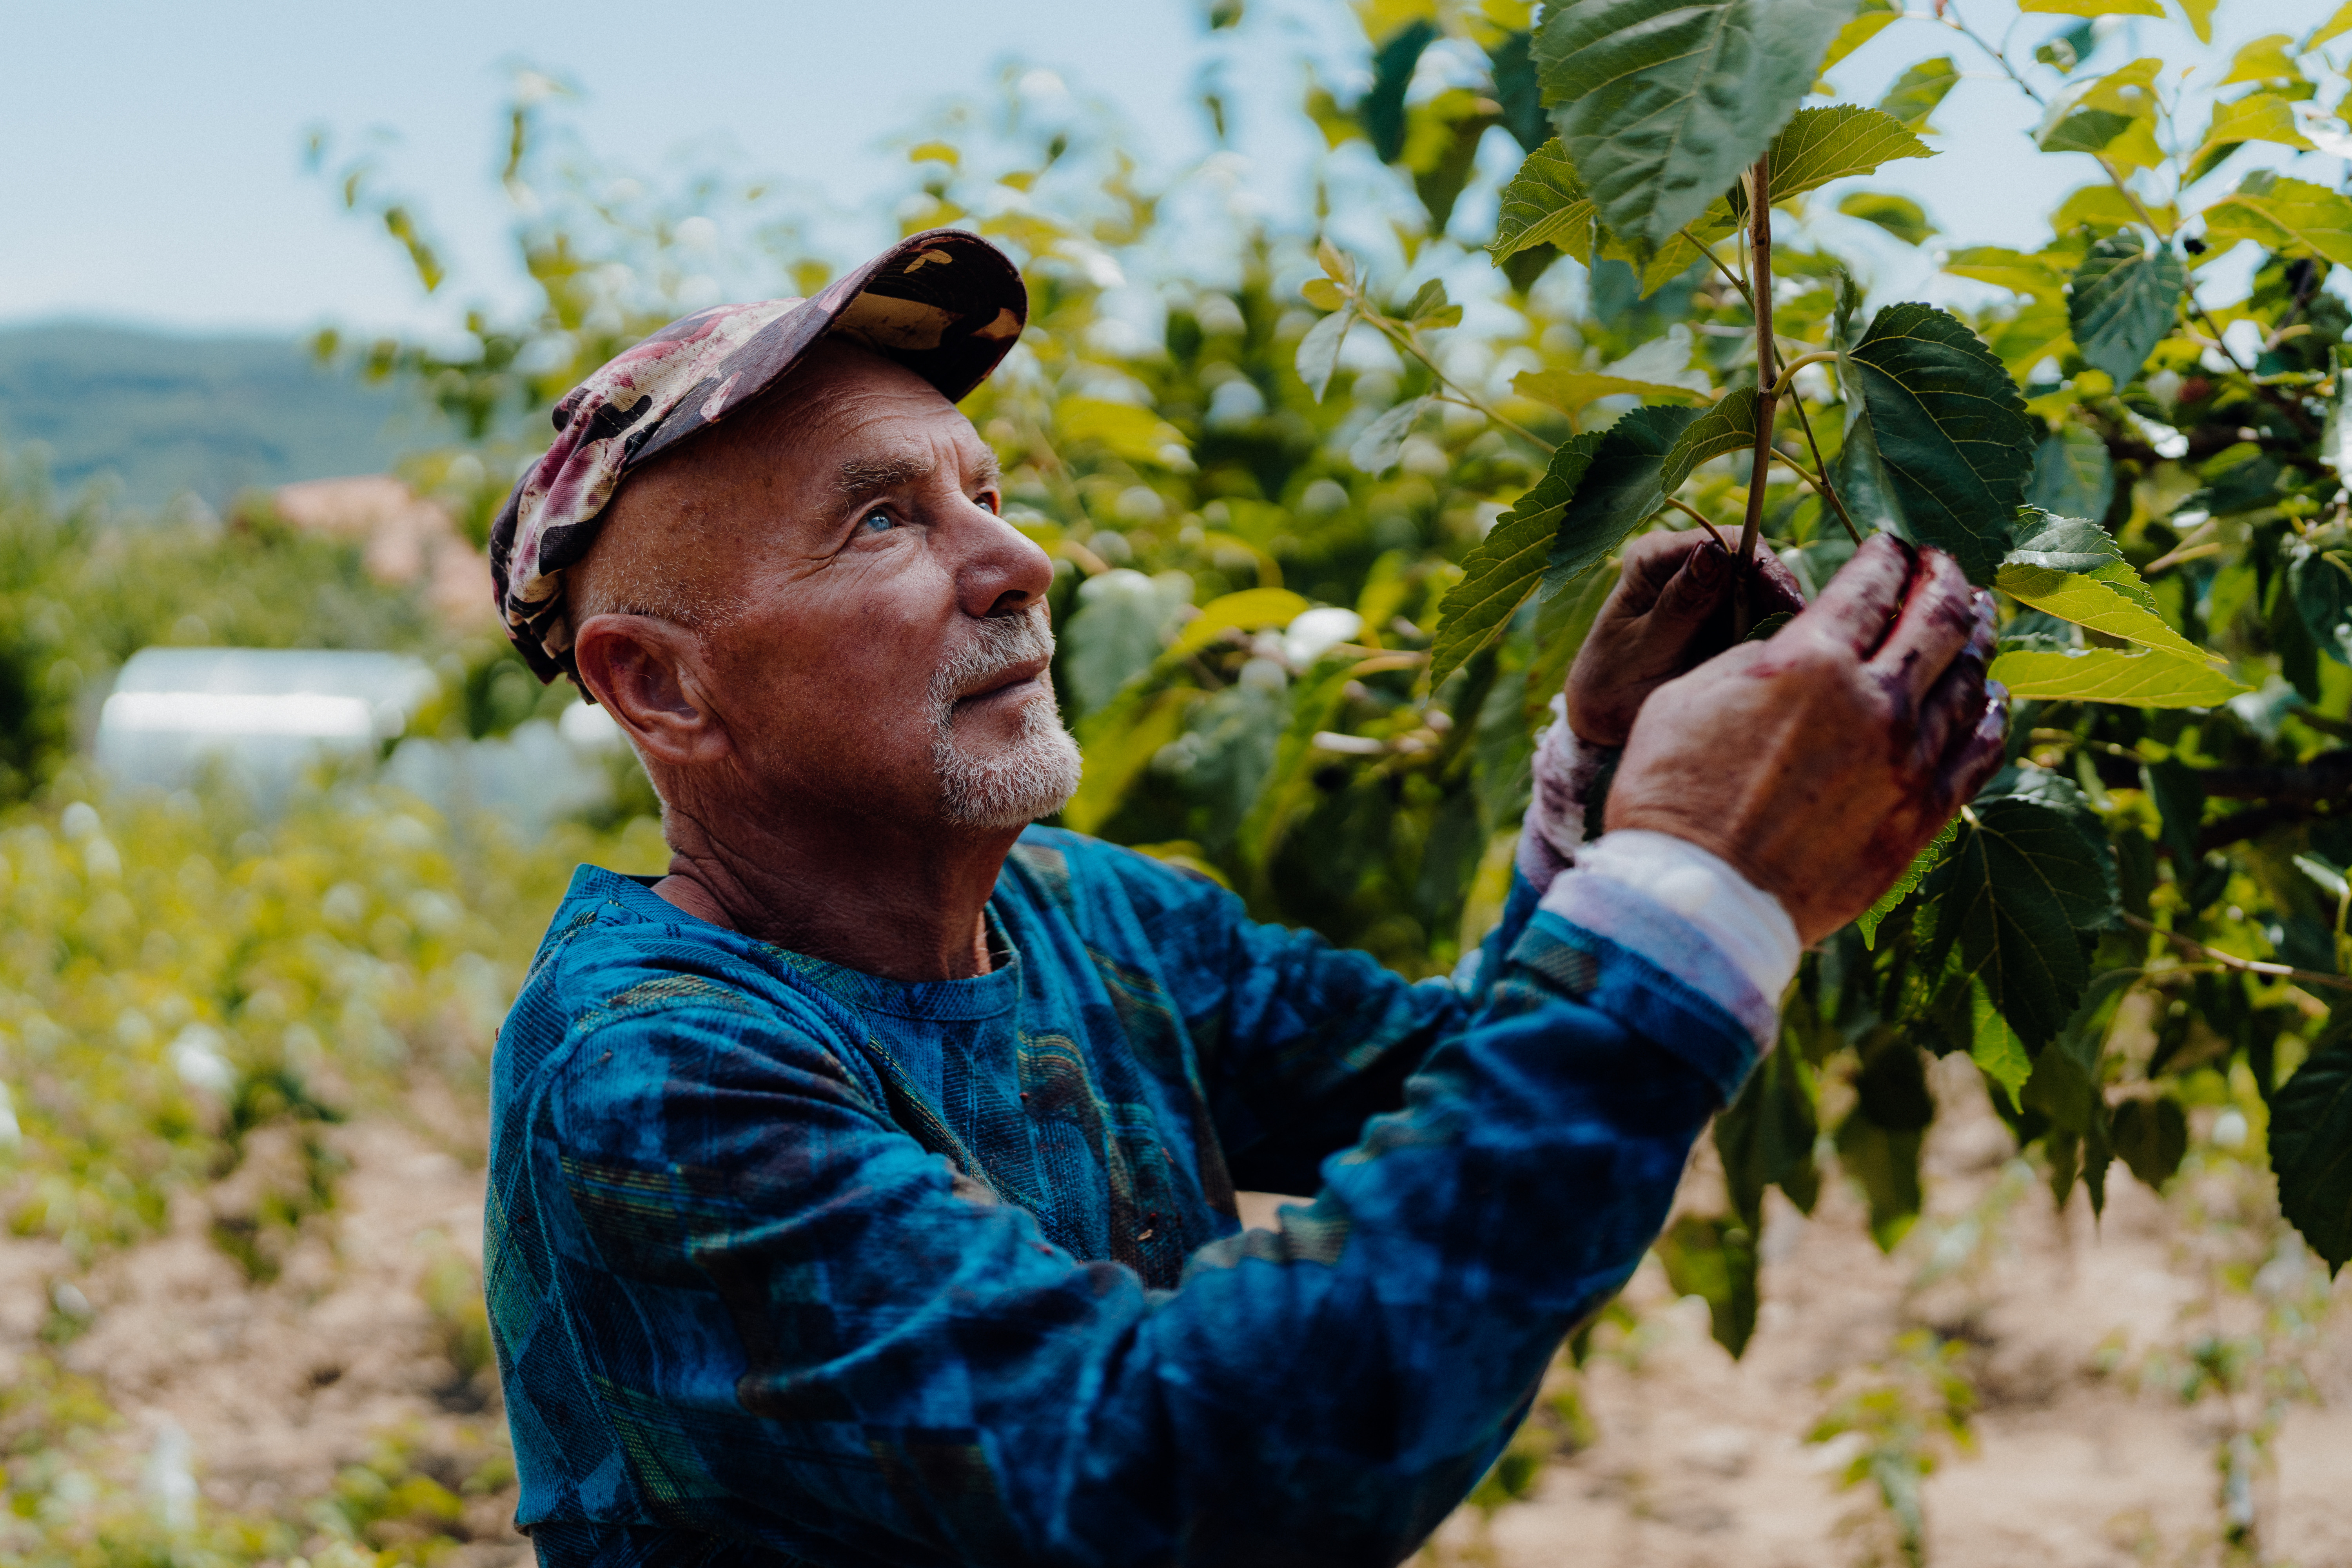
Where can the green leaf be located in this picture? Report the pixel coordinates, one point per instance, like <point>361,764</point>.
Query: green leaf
<point>2090,7</point>
<point>1116,749</point>
<point>1251,609</point>
<point>1382,109</point>
<point>2294,217</point>
<point>1879,1142</point>
<point>1661,103</point>
<point>1898,215</point>
<point>2073,476</point>
<point>2335,27</point>
<point>2122,302</point>
<point>2322,581</point>
<point>1994,1047</point>
<point>2075,543</point>
<point>1728,426</point>
<point>1918,92</point>
<point>1382,443</point>
<point>2201,17</point>
<point>1766,1137</point>
<point>1506,564</point>
<point>2151,1136</point>
<point>2257,117</point>
<point>1123,620</point>
<point>1945,447</point>
<point>1620,490</point>
<point>2009,896</point>
<point>1921,864</point>
<point>2263,60</point>
<point>1545,203</point>
<point>1319,350</point>
<point>1714,1259</point>
<point>1874,18</point>
<point>2310,1144</point>
<point>2088,602</point>
<point>1569,390</point>
<point>1818,145</point>
<point>2065,1088</point>
<point>2011,270</point>
<point>2085,131</point>
<point>2109,675</point>
<point>2178,790</point>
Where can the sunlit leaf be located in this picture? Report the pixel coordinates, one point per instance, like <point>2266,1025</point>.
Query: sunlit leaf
<point>1619,490</point>
<point>1766,1137</point>
<point>1123,620</point>
<point>2123,303</point>
<point>1714,1260</point>
<point>2015,270</point>
<point>1818,145</point>
<point>2310,1144</point>
<point>1661,103</point>
<point>1504,567</point>
<point>1918,91</point>
<point>1569,390</point>
<point>1135,434</point>
<point>1544,203</point>
<point>1898,215</point>
<point>1945,449</point>
<point>1728,426</point>
<point>1116,750</point>
<point>1376,450</point>
<point>1874,18</point>
<point>2292,217</point>
<point>1868,921</point>
<point>1994,1047</point>
<point>2111,675</point>
<point>1251,609</point>
<point>2090,7</point>
<point>2266,58</point>
<point>2257,117</point>
<point>2201,17</point>
<point>2073,476</point>
<point>2334,28</point>
<point>2115,609</point>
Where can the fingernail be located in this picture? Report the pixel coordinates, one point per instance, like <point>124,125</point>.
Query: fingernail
<point>1706,565</point>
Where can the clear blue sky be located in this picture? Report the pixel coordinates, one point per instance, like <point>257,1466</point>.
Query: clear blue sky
<point>156,173</point>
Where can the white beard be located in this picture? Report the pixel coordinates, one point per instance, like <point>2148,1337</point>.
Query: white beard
<point>1033,776</point>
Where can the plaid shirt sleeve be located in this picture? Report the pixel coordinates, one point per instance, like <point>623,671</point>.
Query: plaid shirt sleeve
<point>796,1329</point>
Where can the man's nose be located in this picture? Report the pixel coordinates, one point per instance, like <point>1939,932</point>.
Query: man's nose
<point>1002,570</point>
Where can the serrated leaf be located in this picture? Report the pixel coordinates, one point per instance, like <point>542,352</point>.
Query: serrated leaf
<point>2257,117</point>
<point>2072,477</point>
<point>1569,390</point>
<point>1619,490</point>
<point>1545,203</point>
<point>1874,18</point>
<point>1504,567</point>
<point>1918,91</point>
<point>1661,103</point>
<point>2123,303</point>
<point>2322,582</point>
<point>2292,217</point>
<point>1945,448</point>
<point>1898,215</point>
<point>1728,426</point>
<point>1319,350</point>
<point>2087,601</point>
<point>2006,897</point>
<point>1669,261</point>
<point>1927,860</point>
<point>2151,1137</point>
<point>2011,270</point>
<point>2311,1145</point>
<point>1251,609</point>
<point>2085,131</point>
<point>2077,545</point>
<point>2109,675</point>
<point>1818,145</point>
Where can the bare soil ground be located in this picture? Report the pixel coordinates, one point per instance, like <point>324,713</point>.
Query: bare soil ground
<point>1696,1459</point>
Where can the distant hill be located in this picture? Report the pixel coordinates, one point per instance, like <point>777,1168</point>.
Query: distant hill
<point>165,414</point>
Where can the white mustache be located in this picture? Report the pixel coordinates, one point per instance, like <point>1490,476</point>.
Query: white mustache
<point>999,643</point>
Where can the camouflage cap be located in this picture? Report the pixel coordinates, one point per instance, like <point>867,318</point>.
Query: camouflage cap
<point>945,303</point>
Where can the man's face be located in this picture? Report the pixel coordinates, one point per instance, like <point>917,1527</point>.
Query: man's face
<point>883,646</point>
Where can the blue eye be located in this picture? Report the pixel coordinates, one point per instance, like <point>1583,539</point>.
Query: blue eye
<point>878,519</point>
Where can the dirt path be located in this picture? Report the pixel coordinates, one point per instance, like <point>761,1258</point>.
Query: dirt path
<point>342,1379</point>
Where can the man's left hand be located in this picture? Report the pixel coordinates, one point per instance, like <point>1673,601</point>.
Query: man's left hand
<point>1670,613</point>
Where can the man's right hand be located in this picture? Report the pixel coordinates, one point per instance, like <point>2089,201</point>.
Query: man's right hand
<point>1822,762</point>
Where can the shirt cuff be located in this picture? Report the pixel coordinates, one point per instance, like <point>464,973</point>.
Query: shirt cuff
<point>1553,830</point>
<point>1689,913</point>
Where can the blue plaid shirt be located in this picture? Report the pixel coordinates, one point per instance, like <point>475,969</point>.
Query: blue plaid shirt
<point>788,1264</point>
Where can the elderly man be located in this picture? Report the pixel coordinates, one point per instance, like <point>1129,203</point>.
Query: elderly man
<point>862,1191</point>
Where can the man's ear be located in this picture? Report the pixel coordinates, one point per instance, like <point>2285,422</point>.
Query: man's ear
<point>646,673</point>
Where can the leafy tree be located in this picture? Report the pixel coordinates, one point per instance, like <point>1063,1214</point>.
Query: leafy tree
<point>1328,534</point>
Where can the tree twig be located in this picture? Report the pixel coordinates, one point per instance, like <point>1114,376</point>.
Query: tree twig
<point>1707,250</point>
<point>1461,395</point>
<point>1828,493</point>
<point>1760,249</point>
<point>2231,961</point>
<point>1702,520</point>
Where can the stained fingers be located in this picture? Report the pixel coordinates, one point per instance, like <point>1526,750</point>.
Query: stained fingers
<point>1854,610</point>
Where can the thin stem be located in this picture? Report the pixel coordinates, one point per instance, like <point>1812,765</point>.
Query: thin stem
<point>2231,961</point>
<point>1707,250</point>
<point>1828,493</point>
<point>1760,252</point>
<point>1702,520</point>
<point>1461,395</point>
<point>1788,372</point>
